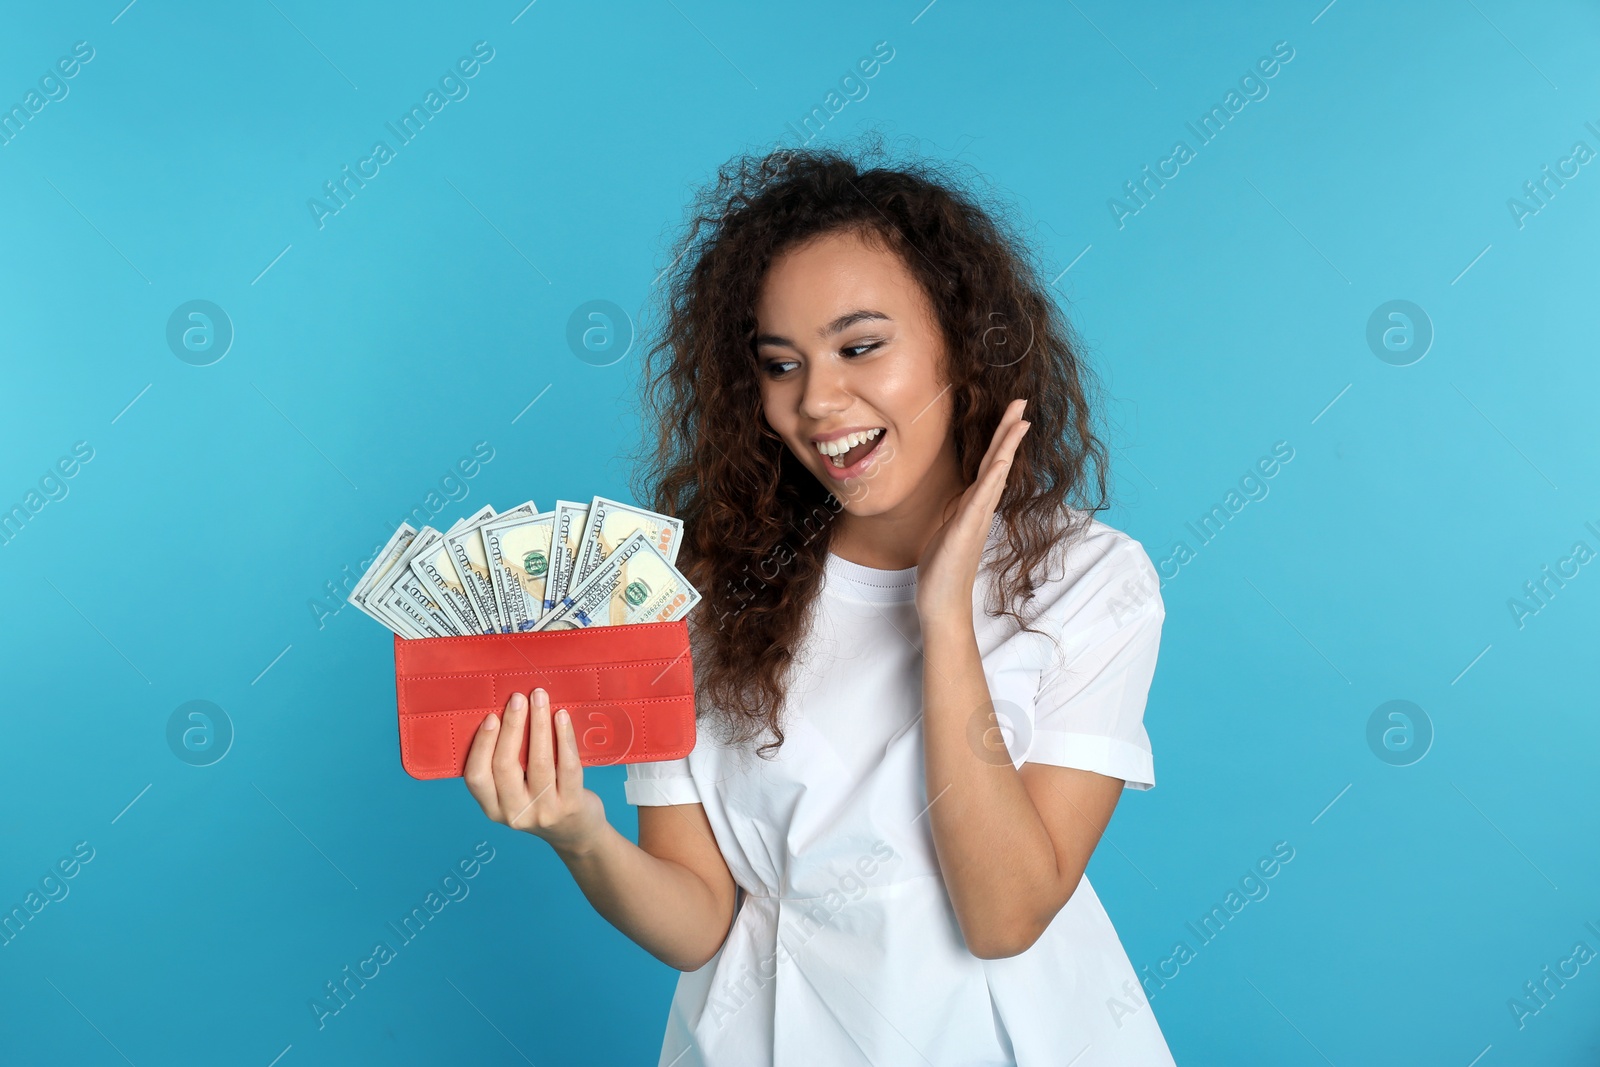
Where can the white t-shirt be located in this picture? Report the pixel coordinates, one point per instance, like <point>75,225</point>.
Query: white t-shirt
<point>845,949</point>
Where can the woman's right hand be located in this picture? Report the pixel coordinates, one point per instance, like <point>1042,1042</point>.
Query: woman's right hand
<point>549,800</point>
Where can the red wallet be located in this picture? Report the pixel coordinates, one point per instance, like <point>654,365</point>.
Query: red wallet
<point>629,689</point>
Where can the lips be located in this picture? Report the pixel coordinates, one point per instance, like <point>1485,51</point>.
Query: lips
<point>862,457</point>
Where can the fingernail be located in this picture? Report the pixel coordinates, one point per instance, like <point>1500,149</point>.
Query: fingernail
<point>492,722</point>
<point>517,703</point>
<point>563,718</point>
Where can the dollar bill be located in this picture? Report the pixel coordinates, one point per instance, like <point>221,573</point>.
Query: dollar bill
<point>397,619</point>
<point>437,574</point>
<point>564,541</point>
<point>634,584</point>
<point>420,608</point>
<point>466,550</point>
<point>386,558</point>
<point>380,594</point>
<point>519,561</point>
<point>610,523</point>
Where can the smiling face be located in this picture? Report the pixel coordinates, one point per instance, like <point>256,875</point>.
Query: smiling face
<point>847,345</point>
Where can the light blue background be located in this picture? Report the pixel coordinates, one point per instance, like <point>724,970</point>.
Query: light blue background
<point>1227,315</point>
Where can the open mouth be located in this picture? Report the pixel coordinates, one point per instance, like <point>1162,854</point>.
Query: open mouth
<point>846,463</point>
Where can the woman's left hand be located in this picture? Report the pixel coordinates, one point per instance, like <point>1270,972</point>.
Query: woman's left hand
<point>948,569</point>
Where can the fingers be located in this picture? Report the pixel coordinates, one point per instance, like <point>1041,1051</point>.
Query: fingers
<point>997,461</point>
<point>1010,417</point>
<point>1003,442</point>
<point>977,504</point>
<point>1008,420</point>
<point>505,765</point>
<point>1008,446</point>
<point>482,760</point>
<point>479,772</point>
<point>494,772</point>
<point>569,766</point>
<point>541,759</point>
<point>998,473</point>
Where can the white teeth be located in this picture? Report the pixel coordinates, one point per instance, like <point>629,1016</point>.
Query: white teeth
<point>834,449</point>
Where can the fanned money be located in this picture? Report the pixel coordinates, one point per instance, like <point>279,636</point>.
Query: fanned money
<point>381,565</point>
<point>428,554</point>
<point>381,595</point>
<point>519,561</point>
<point>610,523</point>
<point>465,547</point>
<point>437,573</point>
<point>419,610</point>
<point>636,583</point>
<point>601,563</point>
<point>570,519</point>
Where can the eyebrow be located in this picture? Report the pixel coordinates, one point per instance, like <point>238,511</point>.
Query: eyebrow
<point>843,322</point>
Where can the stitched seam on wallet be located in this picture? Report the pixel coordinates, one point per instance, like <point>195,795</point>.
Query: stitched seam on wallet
<point>402,649</point>
<point>633,626</point>
<point>403,652</point>
<point>644,735</point>
<point>543,670</point>
<point>455,749</point>
<point>495,676</point>
<point>611,703</point>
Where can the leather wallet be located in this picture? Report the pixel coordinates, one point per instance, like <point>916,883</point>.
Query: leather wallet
<point>628,688</point>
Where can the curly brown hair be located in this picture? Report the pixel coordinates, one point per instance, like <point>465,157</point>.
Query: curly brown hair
<point>757,523</point>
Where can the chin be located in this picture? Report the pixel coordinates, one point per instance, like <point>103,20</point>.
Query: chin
<point>878,490</point>
<point>864,505</point>
<point>873,494</point>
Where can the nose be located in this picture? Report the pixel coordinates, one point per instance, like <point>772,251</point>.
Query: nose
<point>824,391</point>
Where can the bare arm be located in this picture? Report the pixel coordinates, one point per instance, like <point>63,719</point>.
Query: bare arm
<point>672,893</point>
<point>1012,844</point>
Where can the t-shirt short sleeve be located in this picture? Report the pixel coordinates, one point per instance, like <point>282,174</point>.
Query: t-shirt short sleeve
<point>664,782</point>
<point>1089,712</point>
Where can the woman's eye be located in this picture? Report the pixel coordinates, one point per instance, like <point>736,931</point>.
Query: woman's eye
<point>776,368</point>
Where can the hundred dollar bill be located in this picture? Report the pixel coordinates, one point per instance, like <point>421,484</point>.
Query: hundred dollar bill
<point>467,553</point>
<point>564,540</point>
<point>380,594</point>
<point>397,618</point>
<point>611,522</point>
<point>519,561</point>
<point>634,584</point>
<point>420,609</point>
<point>381,564</point>
<point>439,579</point>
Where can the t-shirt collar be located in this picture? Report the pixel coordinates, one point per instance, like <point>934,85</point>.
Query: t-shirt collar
<point>856,582</point>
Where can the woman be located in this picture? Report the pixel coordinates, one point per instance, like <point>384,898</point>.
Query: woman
<point>895,874</point>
